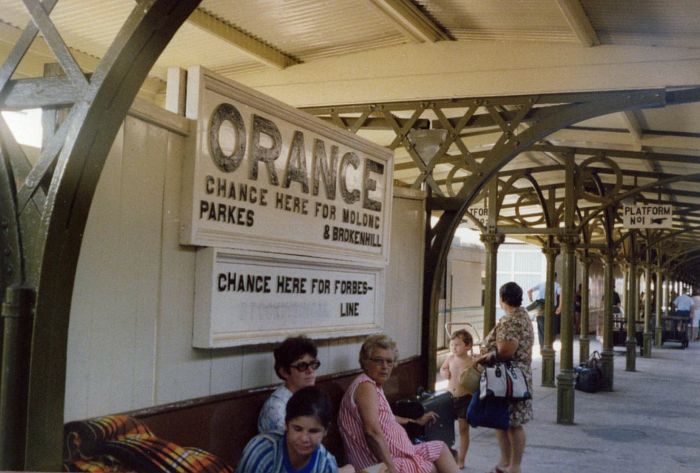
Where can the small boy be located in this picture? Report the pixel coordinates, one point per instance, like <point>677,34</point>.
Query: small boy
<point>457,361</point>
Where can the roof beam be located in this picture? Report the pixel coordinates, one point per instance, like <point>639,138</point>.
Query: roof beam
<point>579,22</point>
<point>246,43</point>
<point>32,64</point>
<point>412,22</point>
<point>35,93</point>
<point>613,153</point>
<point>632,124</point>
<point>663,192</point>
<point>610,138</point>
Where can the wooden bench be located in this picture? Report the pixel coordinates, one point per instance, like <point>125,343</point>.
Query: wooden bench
<point>223,424</point>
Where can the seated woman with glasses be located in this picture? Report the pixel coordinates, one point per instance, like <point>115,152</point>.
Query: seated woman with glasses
<point>371,433</point>
<point>296,365</point>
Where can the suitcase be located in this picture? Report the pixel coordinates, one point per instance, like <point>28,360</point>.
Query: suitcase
<point>439,402</point>
<point>587,379</point>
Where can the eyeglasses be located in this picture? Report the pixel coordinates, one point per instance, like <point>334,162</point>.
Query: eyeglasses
<point>303,366</point>
<point>382,361</point>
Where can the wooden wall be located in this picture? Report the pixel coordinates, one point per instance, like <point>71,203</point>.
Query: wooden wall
<point>130,335</point>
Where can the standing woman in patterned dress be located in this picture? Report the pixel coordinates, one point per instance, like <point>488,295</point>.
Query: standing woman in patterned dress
<point>511,340</point>
<point>372,433</point>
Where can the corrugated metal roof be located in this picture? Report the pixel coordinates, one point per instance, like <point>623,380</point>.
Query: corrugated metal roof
<point>525,20</point>
<point>333,32</point>
<point>646,22</point>
<point>309,29</point>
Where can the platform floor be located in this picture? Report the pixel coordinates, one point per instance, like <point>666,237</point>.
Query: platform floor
<point>650,423</point>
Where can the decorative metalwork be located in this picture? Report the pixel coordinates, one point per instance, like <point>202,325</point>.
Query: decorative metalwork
<point>534,198</point>
<point>588,183</point>
<point>45,205</point>
<point>457,175</point>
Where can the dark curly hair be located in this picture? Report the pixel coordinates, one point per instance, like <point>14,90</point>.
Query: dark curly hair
<point>290,350</point>
<point>511,294</point>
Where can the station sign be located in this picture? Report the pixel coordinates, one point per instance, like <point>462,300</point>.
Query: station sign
<point>244,299</point>
<point>647,216</point>
<point>268,177</point>
<point>480,212</point>
<point>291,216</point>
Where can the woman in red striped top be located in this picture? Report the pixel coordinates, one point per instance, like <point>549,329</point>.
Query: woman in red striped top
<point>372,433</point>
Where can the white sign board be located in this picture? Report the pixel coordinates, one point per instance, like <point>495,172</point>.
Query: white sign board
<point>647,216</point>
<point>244,299</point>
<point>265,176</point>
<point>480,212</point>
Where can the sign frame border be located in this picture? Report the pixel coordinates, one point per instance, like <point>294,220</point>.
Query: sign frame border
<point>206,259</point>
<point>199,81</point>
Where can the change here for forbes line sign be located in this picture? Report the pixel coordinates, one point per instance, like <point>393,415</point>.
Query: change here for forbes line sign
<point>243,299</point>
<point>268,177</point>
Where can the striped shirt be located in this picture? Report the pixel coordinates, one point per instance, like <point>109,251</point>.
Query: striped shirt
<point>273,412</point>
<point>267,453</point>
<point>407,457</point>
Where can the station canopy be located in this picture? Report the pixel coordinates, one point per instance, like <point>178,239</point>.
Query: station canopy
<point>411,74</point>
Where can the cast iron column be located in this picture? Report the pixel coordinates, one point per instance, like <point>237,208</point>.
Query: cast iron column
<point>632,298</point>
<point>491,242</point>
<point>667,295</point>
<point>550,253</point>
<point>565,380</point>
<point>608,353</point>
<point>648,335</point>
<point>584,341</point>
<point>659,305</point>
<point>16,319</point>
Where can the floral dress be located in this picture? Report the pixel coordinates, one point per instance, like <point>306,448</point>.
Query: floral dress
<point>516,326</point>
<point>273,412</point>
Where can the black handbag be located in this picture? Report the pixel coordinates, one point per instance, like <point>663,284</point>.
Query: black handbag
<point>589,375</point>
<point>537,304</point>
<point>488,412</point>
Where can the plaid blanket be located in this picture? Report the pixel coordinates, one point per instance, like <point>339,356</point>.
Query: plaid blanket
<point>122,443</point>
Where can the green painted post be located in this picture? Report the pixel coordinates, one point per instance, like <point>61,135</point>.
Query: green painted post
<point>584,341</point>
<point>565,380</point>
<point>547,351</point>
<point>648,335</point>
<point>659,306</point>
<point>569,240</point>
<point>632,298</point>
<point>16,317</point>
<point>667,294</point>
<point>608,354</point>
<point>491,242</point>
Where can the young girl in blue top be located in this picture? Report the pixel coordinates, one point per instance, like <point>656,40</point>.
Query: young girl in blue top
<point>299,449</point>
